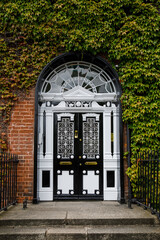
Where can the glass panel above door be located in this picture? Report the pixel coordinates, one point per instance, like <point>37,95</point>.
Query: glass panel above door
<point>73,74</point>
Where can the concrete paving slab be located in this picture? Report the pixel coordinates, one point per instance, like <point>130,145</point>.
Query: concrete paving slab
<point>76,212</point>
<point>20,230</point>
<point>124,233</point>
<point>81,229</point>
<point>22,233</point>
<point>125,229</point>
<point>66,230</point>
<point>71,220</point>
<point>81,232</point>
<point>28,214</point>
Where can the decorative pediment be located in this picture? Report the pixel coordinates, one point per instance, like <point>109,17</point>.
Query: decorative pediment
<point>70,115</point>
<point>78,91</point>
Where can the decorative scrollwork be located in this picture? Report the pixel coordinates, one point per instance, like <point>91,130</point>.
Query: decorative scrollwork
<point>78,104</point>
<point>65,143</point>
<point>91,137</point>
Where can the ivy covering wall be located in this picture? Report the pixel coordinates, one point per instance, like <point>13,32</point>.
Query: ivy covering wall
<point>126,32</point>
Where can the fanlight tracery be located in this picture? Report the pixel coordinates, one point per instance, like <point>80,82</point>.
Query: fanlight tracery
<point>73,74</point>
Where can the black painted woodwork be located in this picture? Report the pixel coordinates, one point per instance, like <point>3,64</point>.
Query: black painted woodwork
<point>111,179</point>
<point>78,164</point>
<point>45,178</point>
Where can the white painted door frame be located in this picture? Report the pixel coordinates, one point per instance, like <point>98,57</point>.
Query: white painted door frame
<point>111,159</point>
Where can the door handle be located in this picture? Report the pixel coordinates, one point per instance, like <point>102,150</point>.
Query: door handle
<point>91,163</point>
<point>76,134</point>
<point>65,163</point>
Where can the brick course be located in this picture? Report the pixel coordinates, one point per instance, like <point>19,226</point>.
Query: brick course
<point>21,142</point>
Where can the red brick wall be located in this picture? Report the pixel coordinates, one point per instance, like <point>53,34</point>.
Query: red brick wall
<point>21,142</point>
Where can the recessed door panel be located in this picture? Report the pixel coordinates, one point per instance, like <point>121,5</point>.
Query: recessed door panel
<point>78,156</point>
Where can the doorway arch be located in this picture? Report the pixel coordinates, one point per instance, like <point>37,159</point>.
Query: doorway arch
<point>76,88</point>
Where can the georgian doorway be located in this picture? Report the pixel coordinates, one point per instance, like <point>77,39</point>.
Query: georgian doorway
<point>77,140</point>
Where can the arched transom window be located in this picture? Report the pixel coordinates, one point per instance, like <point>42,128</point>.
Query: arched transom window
<point>78,74</point>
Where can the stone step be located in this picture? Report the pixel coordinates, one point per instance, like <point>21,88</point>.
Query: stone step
<point>78,221</point>
<point>136,232</point>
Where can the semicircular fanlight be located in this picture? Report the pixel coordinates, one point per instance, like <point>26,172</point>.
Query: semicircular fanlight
<point>73,74</point>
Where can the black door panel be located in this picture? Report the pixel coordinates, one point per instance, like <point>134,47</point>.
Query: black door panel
<point>78,156</point>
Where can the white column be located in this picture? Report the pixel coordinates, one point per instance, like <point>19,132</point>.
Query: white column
<point>45,163</point>
<point>116,139</point>
<point>40,134</point>
<point>107,134</point>
<point>111,163</point>
<point>49,133</point>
